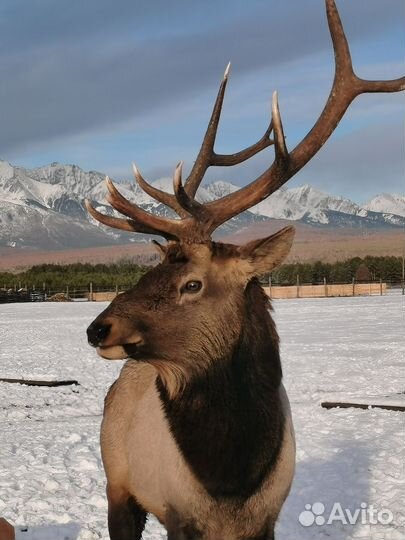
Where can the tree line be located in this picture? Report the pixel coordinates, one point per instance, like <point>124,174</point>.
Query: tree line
<point>387,269</point>
<point>125,274</point>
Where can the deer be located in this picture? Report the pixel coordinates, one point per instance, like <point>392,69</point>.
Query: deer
<point>197,429</point>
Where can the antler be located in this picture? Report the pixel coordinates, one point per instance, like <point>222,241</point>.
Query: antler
<point>191,227</point>
<point>200,220</point>
<point>207,156</point>
<point>346,87</point>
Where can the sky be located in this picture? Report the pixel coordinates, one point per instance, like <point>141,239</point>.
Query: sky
<point>102,83</point>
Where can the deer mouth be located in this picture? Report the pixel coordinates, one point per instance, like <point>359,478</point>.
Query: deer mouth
<point>112,352</point>
<point>119,352</point>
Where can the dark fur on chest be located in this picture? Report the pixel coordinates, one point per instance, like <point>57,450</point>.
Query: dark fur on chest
<point>228,423</point>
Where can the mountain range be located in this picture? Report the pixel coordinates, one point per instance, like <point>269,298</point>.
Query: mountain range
<point>43,208</point>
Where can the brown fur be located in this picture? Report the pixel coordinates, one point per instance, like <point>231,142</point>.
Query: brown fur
<point>172,440</point>
<point>225,270</point>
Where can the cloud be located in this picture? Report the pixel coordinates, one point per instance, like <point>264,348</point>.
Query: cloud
<point>96,64</point>
<point>363,163</point>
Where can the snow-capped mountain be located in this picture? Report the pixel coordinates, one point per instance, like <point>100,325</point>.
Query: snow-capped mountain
<point>44,207</point>
<point>386,202</point>
<point>308,204</point>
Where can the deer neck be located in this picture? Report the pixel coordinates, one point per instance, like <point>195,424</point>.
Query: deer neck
<point>228,422</point>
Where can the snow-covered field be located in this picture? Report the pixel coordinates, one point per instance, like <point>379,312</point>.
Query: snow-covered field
<point>50,469</point>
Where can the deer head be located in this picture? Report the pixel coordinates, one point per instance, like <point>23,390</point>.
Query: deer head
<point>189,310</point>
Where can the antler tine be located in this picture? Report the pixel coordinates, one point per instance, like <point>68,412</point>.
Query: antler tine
<point>162,226</point>
<point>119,223</point>
<point>188,229</point>
<point>207,157</point>
<point>190,205</point>
<point>162,196</point>
<point>281,152</point>
<point>346,87</point>
<point>206,152</point>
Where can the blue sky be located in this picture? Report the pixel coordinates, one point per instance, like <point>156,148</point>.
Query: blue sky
<point>102,83</point>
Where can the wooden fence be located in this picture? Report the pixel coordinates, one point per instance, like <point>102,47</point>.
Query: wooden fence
<point>274,291</point>
<point>326,290</point>
<point>291,291</point>
<point>105,296</point>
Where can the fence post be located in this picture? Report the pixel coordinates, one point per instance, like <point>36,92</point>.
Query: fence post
<point>326,287</point>
<point>116,289</point>
<point>353,287</point>
<point>269,286</point>
<point>91,292</point>
<point>67,291</point>
<point>381,287</point>
<point>298,285</point>
<point>403,269</point>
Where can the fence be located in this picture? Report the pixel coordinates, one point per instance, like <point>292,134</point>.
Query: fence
<point>102,296</point>
<point>326,290</point>
<point>90,293</point>
<point>107,294</point>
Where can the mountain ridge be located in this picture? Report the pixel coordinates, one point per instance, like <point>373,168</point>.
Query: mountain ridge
<point>44,207</point>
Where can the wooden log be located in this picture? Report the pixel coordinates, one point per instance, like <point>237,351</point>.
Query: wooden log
<point>30,382</point>
<point>358,405</point>
<point>7,531</point>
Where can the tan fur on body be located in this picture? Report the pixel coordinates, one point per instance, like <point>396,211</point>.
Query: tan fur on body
<point>141,459</point>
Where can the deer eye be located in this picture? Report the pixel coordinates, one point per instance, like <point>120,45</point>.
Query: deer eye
<point>192,286</point>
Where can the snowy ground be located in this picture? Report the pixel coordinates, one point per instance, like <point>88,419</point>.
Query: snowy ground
<point>50,468</point>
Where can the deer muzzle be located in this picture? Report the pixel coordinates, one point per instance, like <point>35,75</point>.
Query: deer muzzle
<point>109,343</point>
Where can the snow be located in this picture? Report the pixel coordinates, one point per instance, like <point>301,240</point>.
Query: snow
<point>49,183</point>
<point>51,474</point>
<point>220,189</point>
<point>317,216</point>
<point>388,203</point>
<point>6,170</point>
<point>294,203</point>
<point>54,194</point>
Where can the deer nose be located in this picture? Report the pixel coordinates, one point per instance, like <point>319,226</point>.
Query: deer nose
<point>97,333</point>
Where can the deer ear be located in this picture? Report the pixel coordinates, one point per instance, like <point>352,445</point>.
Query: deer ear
<point>265,254</point>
